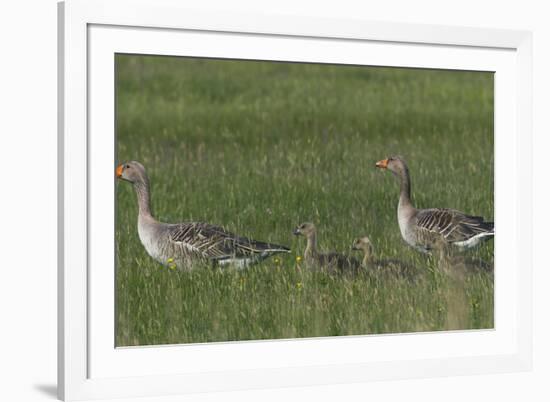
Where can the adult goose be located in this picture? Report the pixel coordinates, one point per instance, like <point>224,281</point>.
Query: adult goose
<point>331,261</point>
<point>370,262</point>
<point>425,228</point>
<point>182,244</point>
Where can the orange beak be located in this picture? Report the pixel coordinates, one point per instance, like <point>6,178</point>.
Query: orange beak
<point>119,171</point>
<point>383,164</point>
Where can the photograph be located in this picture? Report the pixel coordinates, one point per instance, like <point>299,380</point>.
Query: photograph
<point>262,200</point>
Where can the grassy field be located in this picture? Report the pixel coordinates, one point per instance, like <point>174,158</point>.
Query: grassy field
<point>261,147</point>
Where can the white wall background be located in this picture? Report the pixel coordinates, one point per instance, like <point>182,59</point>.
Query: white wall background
<point>28,198</point>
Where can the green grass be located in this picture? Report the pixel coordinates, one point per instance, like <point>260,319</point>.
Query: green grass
<point>260,147</point>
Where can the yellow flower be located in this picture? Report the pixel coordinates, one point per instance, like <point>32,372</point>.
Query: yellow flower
<point>299,286</point>
<point>172,266</point>
<point>298,258</point>
<point>277,260</point>
<point>170,260</point>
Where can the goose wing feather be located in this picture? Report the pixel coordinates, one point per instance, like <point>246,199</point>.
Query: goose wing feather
<point>453,225</point>
<point>214,242</point>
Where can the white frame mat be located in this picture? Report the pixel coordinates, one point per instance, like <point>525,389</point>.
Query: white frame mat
<point>90,367</point>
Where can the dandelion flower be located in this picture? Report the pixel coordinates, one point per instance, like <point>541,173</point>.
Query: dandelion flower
<point>299,286</point>
<point>298,258</point>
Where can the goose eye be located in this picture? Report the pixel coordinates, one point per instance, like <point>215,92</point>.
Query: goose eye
<point>127,167</point>
<point>302,226</point>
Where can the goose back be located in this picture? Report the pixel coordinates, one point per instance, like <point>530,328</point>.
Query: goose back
<point>451,226</point>
<point>335,262</point>
<point>217,244</point>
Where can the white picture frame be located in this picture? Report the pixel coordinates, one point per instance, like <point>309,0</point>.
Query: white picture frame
<point>91,32</point>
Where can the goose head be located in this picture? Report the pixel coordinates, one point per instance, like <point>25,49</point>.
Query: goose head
<point>394,164</point>
<point>363,244</point>
<point>306,229</point>
<point>132,171</point>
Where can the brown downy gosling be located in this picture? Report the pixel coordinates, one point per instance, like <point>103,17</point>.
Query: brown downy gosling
<point>370,262</point>
<point>458,265</point>
<point>333,262</point>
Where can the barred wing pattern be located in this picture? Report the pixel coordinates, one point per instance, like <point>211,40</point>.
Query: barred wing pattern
<point>451,225</point>
<point>215,243</point>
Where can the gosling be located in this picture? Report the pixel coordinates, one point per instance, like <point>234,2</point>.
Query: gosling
<point>459,265</point>
<point>332,262</point>
<point>369,262</point>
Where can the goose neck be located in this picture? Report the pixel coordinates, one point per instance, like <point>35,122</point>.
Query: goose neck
<point>311,248</point>
<point>405,189</point>
<point>367,258</point>
<point>144,198</point>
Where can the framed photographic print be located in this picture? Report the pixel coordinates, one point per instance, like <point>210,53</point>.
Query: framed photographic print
<point>256,201</point>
